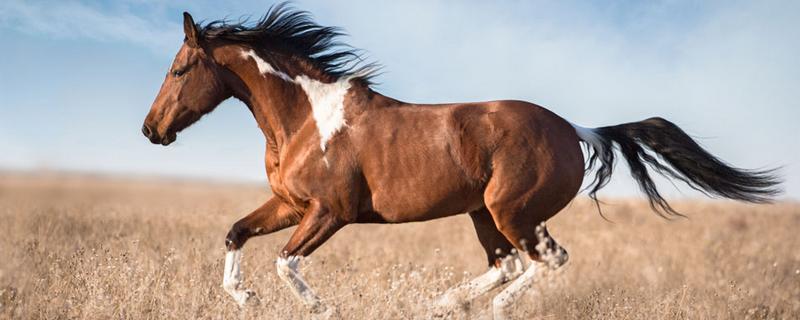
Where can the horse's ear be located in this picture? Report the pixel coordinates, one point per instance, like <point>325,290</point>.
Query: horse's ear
<point>190,29</point>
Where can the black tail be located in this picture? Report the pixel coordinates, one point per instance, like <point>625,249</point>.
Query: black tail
<point>687,161</point>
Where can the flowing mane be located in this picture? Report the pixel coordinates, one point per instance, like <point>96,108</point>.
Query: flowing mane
<point>288,32</point>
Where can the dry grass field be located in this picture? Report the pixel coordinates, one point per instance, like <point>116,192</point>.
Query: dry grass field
<point>81,247</point>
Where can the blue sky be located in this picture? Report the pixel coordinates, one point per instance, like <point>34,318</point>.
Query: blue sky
<point>77,78</point>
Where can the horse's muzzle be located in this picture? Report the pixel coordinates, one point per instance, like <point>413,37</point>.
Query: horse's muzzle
<point>154,137</point>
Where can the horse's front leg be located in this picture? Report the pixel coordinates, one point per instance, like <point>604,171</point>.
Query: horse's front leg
<point>318,224</point>
<point>274,215</point>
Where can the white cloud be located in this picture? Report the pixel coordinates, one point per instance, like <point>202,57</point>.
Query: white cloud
<point>76,20</point>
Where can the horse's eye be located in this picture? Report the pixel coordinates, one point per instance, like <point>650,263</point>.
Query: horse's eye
<point>178,73</point>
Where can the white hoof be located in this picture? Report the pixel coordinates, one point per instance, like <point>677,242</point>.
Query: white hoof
<point>446,305</point>
<point>322,312</point>
<point>448,301</point>
<point>240,296</point>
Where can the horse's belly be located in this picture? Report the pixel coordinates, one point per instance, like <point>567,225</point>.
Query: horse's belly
<point>427,196</point>
<point>398,210</point>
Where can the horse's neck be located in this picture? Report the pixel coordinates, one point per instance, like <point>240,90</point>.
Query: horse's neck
<point>278,117</point>
<point>282,104</point>
<point>276,105</point>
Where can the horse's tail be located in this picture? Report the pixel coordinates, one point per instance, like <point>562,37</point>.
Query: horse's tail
<point>687,161</point>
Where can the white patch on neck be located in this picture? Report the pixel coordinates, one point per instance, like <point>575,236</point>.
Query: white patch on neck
<point>327,105</point>
<point>326,99</point>
<point>263,66</point>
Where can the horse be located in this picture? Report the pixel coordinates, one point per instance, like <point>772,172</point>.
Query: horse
<point>338,152</point>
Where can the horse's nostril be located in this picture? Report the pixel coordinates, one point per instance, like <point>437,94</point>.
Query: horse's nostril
<point>147,132</point>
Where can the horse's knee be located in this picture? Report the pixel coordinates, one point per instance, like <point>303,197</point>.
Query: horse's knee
<point>237,236</point>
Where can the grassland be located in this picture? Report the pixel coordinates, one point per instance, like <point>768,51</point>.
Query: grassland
<point>87,248</point>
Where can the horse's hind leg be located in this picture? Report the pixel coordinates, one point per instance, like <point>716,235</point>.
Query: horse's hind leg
<point>511,293</point>
<point>519,205</point>
<point>531,237</point>
<point>544,252</point>
<point>504,264</point>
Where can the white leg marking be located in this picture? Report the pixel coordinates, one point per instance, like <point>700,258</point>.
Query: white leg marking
<point>513,291</point>
<point>287,271</point>
<point>466,292</point>
<point>326,99</point>
<point>232,278</point>
<point>510,267</point>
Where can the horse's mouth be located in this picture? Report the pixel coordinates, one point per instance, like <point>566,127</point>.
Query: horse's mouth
<point>164,140</point>
<point>168,138</point>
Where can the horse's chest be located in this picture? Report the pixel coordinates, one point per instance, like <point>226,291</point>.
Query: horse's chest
<point>300,174</point>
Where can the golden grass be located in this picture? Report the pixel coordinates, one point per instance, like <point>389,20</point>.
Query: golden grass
<point>73,247</point>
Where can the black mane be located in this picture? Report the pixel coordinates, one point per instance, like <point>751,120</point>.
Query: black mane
<point>286,30</point>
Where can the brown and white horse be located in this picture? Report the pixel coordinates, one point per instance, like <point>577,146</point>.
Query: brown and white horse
<point>338,153</point>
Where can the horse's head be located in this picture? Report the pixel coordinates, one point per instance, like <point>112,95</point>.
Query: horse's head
<point>193,87</point>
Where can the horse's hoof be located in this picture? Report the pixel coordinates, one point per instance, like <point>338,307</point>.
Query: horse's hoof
<point>246,298</point>
<point>445,307</point>
<point>324,313</point>
<point>251,299</point>
<point>439,313</point>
